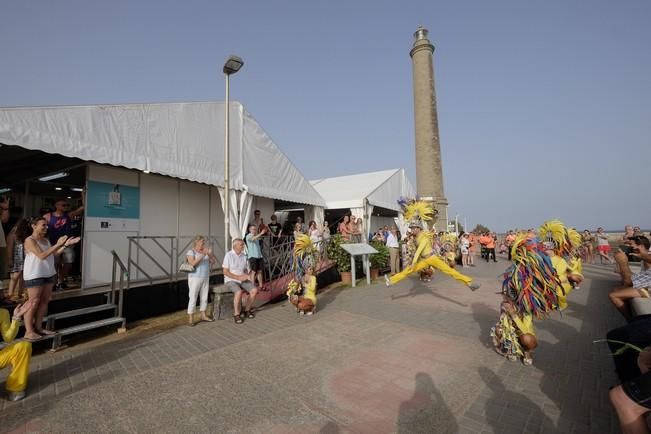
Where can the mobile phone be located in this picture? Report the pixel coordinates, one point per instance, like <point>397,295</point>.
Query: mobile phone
<point>639,389</point>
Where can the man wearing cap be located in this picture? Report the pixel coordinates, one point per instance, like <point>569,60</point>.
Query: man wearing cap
<point>425,257</point>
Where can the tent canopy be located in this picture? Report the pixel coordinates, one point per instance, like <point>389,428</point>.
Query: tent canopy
<point>182,140</point>
<point>379,189</point>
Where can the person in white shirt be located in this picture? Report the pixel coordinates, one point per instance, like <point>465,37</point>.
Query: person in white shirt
<point>394,250</point>
<point>237,279</point>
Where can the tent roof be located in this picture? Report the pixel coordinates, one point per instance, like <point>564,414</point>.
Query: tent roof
<point>382,189</point>
<point>183,140</point>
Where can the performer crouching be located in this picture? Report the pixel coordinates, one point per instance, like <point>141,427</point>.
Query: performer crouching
<point>17,354</point>
<point>302,289</point>
<point>530,290</point>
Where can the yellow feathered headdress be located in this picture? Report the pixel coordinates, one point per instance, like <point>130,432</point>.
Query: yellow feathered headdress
<point>419,210</point>
<point>556,232</point>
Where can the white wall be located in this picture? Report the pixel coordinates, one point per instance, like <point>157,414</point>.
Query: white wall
<point>168,207</point>
<point>97,261</point>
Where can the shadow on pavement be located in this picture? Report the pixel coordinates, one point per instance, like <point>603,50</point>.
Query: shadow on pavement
<point>528,411</point>
<point>330,428</point>
<point>426,410</point>
<point>419,288</point>
<point>486,318</point>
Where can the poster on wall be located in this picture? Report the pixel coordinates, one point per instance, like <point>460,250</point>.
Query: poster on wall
<point>112,207</point>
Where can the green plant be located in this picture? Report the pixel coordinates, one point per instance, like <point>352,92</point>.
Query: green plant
<point>380,259</point>
<point>337,254</point>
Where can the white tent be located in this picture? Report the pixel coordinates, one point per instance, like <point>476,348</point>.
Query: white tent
<point>182,140</point>
<point>362,192</point>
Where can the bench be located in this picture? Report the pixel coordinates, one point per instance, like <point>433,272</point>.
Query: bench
<point>219,292</point>
<point>640,306</point>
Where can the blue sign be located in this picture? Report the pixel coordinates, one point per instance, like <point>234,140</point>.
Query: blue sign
<point>112,200</point>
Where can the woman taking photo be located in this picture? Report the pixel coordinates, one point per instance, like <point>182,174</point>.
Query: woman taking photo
<point>40,275</point>
<point>200,258</point>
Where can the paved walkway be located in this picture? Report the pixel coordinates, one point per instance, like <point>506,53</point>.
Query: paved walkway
<point>413,358</point>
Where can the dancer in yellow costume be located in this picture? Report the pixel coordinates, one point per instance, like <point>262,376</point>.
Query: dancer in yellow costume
<point>529,290</point>
<point>424,257</point>
<point>301,290</point>
<point>561,245</point>
<point>17,354</point>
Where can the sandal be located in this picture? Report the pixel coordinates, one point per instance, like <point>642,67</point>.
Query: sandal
<point>238,319</point>
<point>207,319</point>
<point>45,332</point>
<point>249,314</point>
<point>33,338</point>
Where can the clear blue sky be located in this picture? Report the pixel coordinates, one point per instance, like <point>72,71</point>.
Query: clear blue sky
<point>544,107</point>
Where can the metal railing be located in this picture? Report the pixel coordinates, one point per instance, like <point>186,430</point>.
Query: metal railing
<point>118,265</point>
<point>159,257</point>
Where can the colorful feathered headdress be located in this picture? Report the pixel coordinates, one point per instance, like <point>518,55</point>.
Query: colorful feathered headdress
<point>304,255</point>
<point>554,231</point>
<point>417,212</point>
<point>531,281</point>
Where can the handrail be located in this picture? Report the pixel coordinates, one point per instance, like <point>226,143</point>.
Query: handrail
<point>123,272</point>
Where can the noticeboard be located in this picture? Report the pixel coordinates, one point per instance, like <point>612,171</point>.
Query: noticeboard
<point>358,249</point>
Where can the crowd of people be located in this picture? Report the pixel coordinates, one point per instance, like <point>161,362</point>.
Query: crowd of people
<point>631,343</point>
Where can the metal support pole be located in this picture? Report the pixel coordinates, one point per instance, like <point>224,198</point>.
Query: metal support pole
<point>227,190</point>
<point>352,269</point>
<point>368,270</point>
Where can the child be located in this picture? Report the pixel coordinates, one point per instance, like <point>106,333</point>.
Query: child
<point>306,303</point>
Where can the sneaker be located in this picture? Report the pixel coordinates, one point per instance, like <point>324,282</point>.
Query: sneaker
<point>15,396</point>
<point>387,280</point>
<point>309,313</point>
<point>474,286</point>
<point>301,313</point>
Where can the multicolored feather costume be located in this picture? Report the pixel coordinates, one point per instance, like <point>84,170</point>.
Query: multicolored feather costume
<point>531,281</point>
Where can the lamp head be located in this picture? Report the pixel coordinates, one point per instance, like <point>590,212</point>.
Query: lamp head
<point>232,65</point>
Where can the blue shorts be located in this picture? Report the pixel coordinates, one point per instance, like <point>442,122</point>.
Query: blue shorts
<point>40,281</point>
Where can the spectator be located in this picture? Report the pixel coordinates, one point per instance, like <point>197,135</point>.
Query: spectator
<point>201,258</point>
<point>275,230</point>
<point>344,228</point>
<point>58,225</point>
<point>464,246</point>
<point>238,280</point>
<point>316,236</point>
<point>394,250</point>
<point>635,285</point>
<point>306,303</point>
<point>355,228</point>
<point>488,241</point>
<point>379,235</point>
<point>297,231</point>
<point>473,247</point>
<point>17,354</point>
<point>16,250</point>
<point>508,240</point>
<point>256,262</point>
<point>587,244</point>
<point>40,274</point>
<point>299,221</point>
<point>386,232</point>
<point>603,246</point>
<point>4,217</point>
<point>326,232</point>
<point>632,398</point>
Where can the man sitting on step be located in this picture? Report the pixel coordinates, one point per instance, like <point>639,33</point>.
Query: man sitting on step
<point>17,354</point>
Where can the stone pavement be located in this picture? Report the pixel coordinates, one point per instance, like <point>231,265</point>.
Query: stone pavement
<point>413,358</point>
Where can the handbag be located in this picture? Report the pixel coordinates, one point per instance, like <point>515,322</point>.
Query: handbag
<point>186,267</point>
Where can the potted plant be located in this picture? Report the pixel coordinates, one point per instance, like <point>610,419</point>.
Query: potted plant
<point>378,260</point>
<point>340,257</point>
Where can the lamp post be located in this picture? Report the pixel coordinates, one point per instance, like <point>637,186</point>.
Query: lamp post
<point>231,66</point>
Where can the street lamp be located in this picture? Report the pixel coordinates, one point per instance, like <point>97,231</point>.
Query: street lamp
<point>231,66</point>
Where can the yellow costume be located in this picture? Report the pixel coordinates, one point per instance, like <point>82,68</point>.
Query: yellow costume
<point>17,354</point>
<point>524,324</point>
<point>309,291</point>
<point>424,257</point>
<point>563,269</point>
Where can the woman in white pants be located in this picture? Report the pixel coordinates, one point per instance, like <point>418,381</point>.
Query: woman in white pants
<point>200,257</point>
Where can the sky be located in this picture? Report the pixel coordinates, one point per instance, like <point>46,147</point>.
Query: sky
<point>544,107</point>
